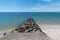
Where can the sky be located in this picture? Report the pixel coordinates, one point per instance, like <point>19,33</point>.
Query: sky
<point>29,5</point>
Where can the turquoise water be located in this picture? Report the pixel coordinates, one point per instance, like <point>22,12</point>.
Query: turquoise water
<point>13,19</point>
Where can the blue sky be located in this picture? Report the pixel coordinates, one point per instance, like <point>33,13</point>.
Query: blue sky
<point>29,5</point>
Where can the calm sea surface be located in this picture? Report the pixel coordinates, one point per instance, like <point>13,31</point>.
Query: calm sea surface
<point>12,19</point>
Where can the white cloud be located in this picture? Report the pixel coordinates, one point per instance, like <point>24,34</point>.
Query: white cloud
<point>47,0</point>
<point>13,3</point>
<point>44,9</point>
<point>53,7</point>
<point>55,4</point>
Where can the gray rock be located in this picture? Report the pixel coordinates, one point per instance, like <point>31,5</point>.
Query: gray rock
<point>29,30</point>
<point>28,26</point>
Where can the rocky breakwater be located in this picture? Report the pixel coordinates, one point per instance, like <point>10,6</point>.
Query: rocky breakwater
<point>28,30</point>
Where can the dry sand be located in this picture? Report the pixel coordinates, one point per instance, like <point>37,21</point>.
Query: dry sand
<point>53,31</point>
<point>26,36</point>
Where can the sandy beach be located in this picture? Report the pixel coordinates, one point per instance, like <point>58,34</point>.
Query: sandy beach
<point>25,36</point>
<point>53,31</point>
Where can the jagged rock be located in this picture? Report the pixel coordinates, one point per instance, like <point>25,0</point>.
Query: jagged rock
<point>28,26</point>
<point>4,34</point>
<point>29,30</point>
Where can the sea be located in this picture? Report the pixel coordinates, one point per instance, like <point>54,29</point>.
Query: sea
<point>11,20</point>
